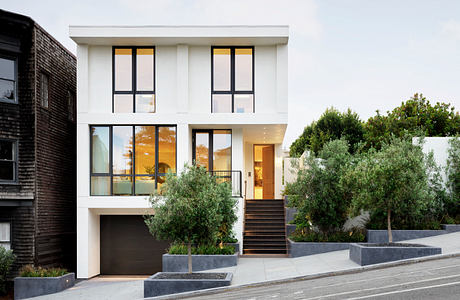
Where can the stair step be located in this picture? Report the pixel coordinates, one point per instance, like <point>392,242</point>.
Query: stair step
<point>266,250</point>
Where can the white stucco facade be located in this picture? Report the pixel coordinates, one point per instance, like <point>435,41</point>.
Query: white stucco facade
<point>183,99</point>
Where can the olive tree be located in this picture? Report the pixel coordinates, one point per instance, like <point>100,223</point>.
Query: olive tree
<point>189,209</point>
<point>394,179</point>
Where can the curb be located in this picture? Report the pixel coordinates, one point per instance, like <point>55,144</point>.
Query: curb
<point>306,277</point>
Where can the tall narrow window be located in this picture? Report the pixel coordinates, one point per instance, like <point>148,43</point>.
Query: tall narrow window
<point>131,160</point>
<point>44,89</point>
<point>8,161</point>
<point>5,235</point>
<point>8,79</point>
<point>134,80</point>
<point>232,80</point>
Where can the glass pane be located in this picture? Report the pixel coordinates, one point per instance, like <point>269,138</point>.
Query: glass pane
<point>222,147</point>
<point>100,186</point>
<point>7,68</point>
<point>145,103</point>
<point>122,185</point>
<point>166,149</point>
<point>6,150</point>
<point>221,60</point>
<point>243,69</point>
<point>100,151</point>
<point>145,185</point>
<point>7,89</point>
<point>6,170</point>
<point>144,64</point>
<point>221,103</point>
<point>244,103</point>
<point>5,232</point>
<point>122,103</point>
<point>123,69</point>
<point>202,149</point>
<point>160,181</point>
<point>145,150</point>
<point>122,153</point>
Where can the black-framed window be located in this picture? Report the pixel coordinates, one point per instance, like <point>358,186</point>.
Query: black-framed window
<point>131,160</point>
<point>212,149</point>
<point>232,79</point>
<point>5,234</point>
<point>8,78</point>
<point>8,160</point>
<point>44,89</point>
<point>133,80</point>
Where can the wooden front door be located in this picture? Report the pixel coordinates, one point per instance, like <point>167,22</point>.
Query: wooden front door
<point>268,172</point>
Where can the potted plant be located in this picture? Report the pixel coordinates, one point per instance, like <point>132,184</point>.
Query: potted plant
<point>37,281</point>
<point>188,212</point>
<point>391,179</point>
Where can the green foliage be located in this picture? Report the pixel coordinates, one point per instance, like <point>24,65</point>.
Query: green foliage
<point>331,125</point>
<point>31,271</point>
<point>318,193</point>
<point>227,209</point>
<point>416,116</point>
<point>202,249</point>
<point>453,181</point>
<point>307,235</point>
<point>6,261</point>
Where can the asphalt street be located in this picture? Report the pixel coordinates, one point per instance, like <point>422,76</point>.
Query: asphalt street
<point>437,279</point>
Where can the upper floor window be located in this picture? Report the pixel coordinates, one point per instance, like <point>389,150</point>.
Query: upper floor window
<point>8,160</point>
<point>232,80</point>
<point>44,89</point>
<point>133,79</point>
<point>5,235</point>
<point>8,79</point>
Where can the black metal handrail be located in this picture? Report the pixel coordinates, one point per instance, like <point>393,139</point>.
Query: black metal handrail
<point>232,177</point>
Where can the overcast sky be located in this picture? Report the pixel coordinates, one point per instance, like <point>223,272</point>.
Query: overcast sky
<point>364,55</point>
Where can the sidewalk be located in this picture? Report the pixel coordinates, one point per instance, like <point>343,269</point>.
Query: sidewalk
<point>248,270</point>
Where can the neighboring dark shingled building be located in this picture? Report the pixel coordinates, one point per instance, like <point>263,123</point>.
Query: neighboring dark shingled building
<point>37,145</point>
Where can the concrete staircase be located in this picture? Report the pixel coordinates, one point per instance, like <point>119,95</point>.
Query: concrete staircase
<point>264,227</point>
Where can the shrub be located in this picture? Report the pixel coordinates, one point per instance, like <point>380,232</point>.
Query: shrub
<point>453,182</point>
<point>31,271</point>
<point>306,235</point>
<point>6,261</point>
<point>202,249</point>
<point>317,193</point>
<point>189,209</point>
<point>227,209</point>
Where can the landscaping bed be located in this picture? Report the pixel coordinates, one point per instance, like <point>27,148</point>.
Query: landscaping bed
<point>165,283</point>
<point>374,253</point>
<point>26,287</point>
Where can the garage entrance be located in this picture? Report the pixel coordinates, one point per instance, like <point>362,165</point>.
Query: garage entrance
<point>127,247</point>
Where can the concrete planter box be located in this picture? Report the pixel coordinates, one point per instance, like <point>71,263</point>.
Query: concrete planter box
<point>26,287</point>
<point>290,213</point>
<point>451,227</point>
<point>179,263</point>
<point>381,236</point>
<point>290,228</point>
<point>368,254</point>
<point>157,287</point>
<point>297,249</point>
<point>236,246</point>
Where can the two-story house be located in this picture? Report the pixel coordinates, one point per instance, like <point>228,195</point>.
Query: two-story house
<point>152,98</point>
<point>37,145</point>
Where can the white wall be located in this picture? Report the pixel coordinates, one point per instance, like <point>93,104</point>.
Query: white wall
<point>440,147</point>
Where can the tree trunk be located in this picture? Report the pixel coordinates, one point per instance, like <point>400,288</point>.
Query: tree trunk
<point>390,235</point>
<point>189,250</point>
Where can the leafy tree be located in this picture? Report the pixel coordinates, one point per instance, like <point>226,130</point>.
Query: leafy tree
<point>453,179</point>
<point>331,125</point>
<point>394,180</point>
<point>6,261</point>
<point>416,116</point>
<point>190,209</point>
<point>318,192</point>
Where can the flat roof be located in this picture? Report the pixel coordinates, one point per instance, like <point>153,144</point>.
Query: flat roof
<point>173,35</point>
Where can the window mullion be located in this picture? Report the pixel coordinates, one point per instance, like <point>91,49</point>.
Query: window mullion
<point>134,72</point>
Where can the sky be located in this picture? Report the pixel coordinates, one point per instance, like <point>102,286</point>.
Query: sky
<point>358,54</point>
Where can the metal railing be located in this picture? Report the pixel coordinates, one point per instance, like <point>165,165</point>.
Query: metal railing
<point>232,177</point>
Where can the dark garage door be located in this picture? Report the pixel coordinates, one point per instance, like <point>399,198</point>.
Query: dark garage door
<point>127,247</point>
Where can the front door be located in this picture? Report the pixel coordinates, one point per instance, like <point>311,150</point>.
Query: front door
<point>264,172</point>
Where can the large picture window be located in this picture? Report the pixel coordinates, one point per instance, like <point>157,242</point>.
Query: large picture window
<point>232,79</point>
<point>131,160</point>
<point>212,149</point>
<point>8,160</point>
<point>133,79</point>
<point>8,79</point>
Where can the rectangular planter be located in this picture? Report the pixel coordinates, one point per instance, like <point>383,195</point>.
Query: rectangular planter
<point>297,249</point>
<point>156,287</point>
<point>290,228</point>
<point>369,254</point>
<point>179,263</point>
<point>451,227</point>
<point>381,236</point>
<point>26,287</point>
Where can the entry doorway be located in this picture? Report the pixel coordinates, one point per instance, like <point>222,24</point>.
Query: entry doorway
<point>264,171</point>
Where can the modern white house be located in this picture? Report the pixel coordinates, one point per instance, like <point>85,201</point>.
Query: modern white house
<point>152,98</point>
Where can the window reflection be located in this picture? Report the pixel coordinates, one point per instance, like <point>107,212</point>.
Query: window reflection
<point>222,150</point>
<point>100,185</point>
<point>122,153</point>
<point>122,103</point>
<point>244,103</point>
<point>145,185</point>
<point>243,69</point>
<point>145,103</point>
<point>122,185</point>
<point>222,63</point>
<point>100,150</point>
<point>222,103</point>
<point>202,149</point>
<point>144,64</point>
<point>123,69</point>
<point>167,149</point>
<point>145,150</point>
